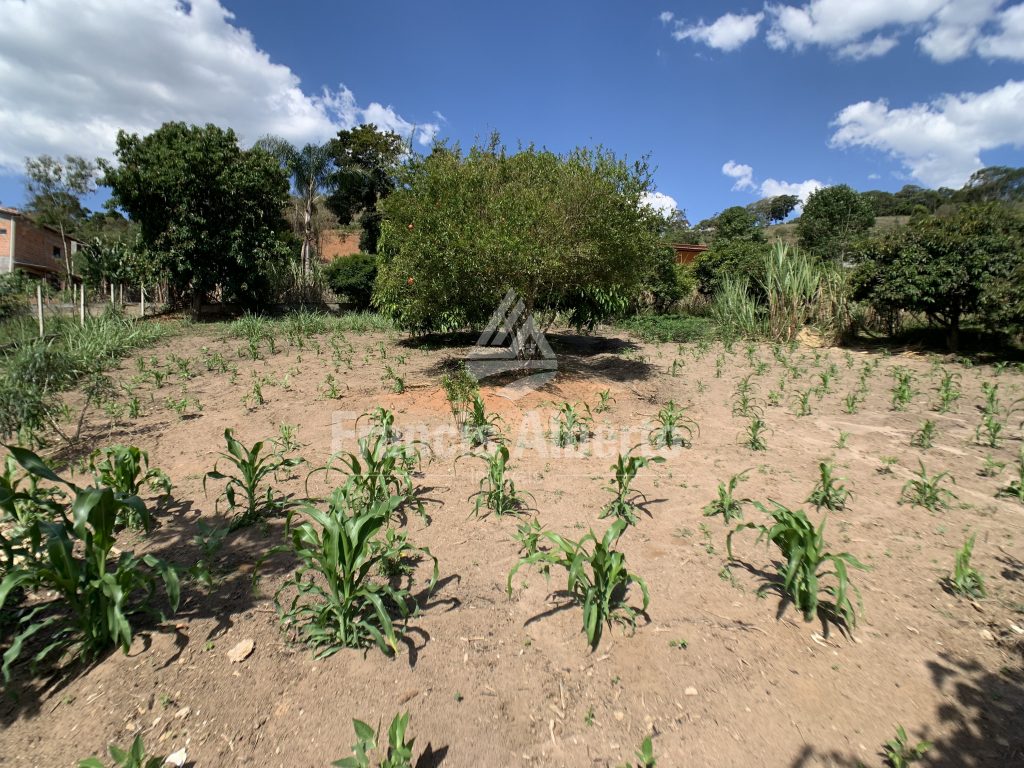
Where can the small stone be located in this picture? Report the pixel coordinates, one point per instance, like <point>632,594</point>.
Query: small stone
<point>241,651</point>
<point>986,635</point>
<point>691,691</point>
<point>619,714</point>
<point>182,713</point>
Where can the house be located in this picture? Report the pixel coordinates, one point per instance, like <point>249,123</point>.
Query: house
<point>33,248</point>
<point>686,253</point>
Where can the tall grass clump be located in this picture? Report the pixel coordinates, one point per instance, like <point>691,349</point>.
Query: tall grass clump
<point>791,283</point>
<point>735,311</point>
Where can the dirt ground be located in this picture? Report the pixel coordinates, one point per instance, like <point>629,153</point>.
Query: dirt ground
<point>494,681</point>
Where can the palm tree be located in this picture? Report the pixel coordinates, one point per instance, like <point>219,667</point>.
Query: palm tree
<point>310,169</point>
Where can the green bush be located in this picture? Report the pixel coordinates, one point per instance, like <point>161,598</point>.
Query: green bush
<point>14,288</point>
<point>735,259</point>
<point>353,276</point>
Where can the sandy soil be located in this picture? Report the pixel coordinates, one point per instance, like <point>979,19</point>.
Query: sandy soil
<point>494,681</point>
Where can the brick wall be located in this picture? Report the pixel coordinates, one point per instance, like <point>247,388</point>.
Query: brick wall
<point>5,244</point>
<point>34,248</point>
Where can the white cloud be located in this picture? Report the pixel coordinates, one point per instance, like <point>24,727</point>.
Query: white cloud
<point>877,46</point>
<point>1008,43</point>
<point>944,29</point>
<point>874,176</point>
<point>72,72</point>
<point>802,189</point>
<point>662,203</point>
<point>941,142</point>
<point>666,16</point>
<point>743,174</point>
<point>727,33</point>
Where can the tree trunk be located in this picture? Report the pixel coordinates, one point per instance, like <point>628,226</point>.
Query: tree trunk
<point>953,333</point>
<point>307,234</point>
<point>67,254</point>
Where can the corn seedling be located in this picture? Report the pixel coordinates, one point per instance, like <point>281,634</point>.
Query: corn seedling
<point>903,389</point>
<point>888,462</point>
<point>331,390</point>
<point>479,427</point>
<point>133,757</point>
<point>96,595</point>
<point>336,605</point>
<point>842,440</point>
<point>597,577</point>
<point>924,438</point>
<point>394,381</point>
<point>927,491</point>
<point>805,563</point>
<point>181,405</point>
<point>573,425</point>
<point>242,491</point>
<point>626,468</point>
<point>727,505</point>
<point>829,492</point>
<point>988,432</point>
<point>900,753</point>
<point>673,370</point>
<point>460,387</point>
<point>774,398</point>
<point>397,755</point>
<point>605,401</point>
<point>719,365</point>
<point>745,406</point>
<point>949,391</point>
<point>1015,489</point>
<point>497,492</point>
<point>966,581</point>
<point>803,402</point>
<point>851,403</point>
<point>753,438</point>
<point>991,467</point>
<point>125,468</point>
<point>674,427</point>
<point>644,755</point>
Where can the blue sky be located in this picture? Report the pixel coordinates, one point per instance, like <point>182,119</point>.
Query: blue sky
<point>875,94</point>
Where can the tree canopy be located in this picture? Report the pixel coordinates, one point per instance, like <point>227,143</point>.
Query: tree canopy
<point>772,210</point>
<point>949,267</point>
<point>366,163</point>
<point>571,234</point>
<point>832,222</point>
<point>209,211</point>
<point>55,189</point>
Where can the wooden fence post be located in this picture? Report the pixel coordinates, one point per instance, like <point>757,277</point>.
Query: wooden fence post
<point>39,304</point>
<point>142,299</point>
<point>81,306</point>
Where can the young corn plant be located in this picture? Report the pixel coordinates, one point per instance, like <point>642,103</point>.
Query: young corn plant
<point>246,502</point>
<point>949,391</point>
<point>125,468</point>
<point>991,467</point>
<point>829,492</point>
<point>988,432</point>
<point>605,401</point>
<point>573,425</point>
<point>480,428</point>
<point>803,402</point>
<point>1015,489</point>
<point>626,468</point>
<point>754,436</point>
<point>903,389</point>
<point>674,427</point>
<point>335,603</point>
<point>966,581</point>
<point>133,757</point>
<point>597,576</point>
<point>746,405</point>
<point>927,491</point>
<point>397,755</point>
<point>498,493</point>
<point>900,753</point>
<point>644,756</point>
<point>805,563</point>
<point>851,403</point>
<point>924,438</point>
<point>95,595</point>
<point>727,505</point>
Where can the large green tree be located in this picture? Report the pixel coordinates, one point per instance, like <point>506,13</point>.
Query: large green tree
<point>55,189</point>
<point>311,169</point>
<point>948,268</point>
<point>571,234</point>
<point>738,250</point>
<point>834,219</point>
<point>366,162</point>
<point>209,211</point>
<point>770,210</point>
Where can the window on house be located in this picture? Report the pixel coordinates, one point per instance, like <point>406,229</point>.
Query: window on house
<point>3,230</point>
<point>56,251</point>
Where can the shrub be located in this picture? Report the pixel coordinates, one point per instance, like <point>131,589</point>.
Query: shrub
<point>352,277</point>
